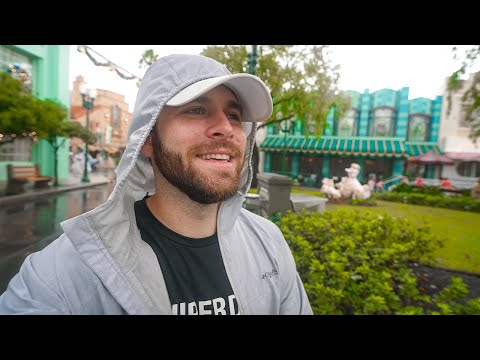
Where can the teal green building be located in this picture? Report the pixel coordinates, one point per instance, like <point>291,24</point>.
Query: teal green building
<point>45,70</point>
<point>379,132</point>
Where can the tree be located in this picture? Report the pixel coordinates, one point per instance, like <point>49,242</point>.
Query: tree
<point>19,110</point>
<point>22,114</point>
<point>148,58</point>
<point>471,96</point>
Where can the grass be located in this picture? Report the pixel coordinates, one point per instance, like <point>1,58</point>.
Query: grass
<point>296,191</point>
<point>460,229</point>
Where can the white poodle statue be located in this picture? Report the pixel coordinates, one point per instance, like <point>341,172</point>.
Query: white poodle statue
<point>349,186</point>
<point>328,188</point>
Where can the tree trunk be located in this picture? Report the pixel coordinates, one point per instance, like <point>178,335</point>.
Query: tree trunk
<point>55,161</point>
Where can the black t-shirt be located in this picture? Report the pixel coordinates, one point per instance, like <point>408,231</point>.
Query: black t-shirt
<point>193,269</point>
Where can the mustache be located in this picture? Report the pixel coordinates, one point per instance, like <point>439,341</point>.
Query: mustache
<point>211,147</point>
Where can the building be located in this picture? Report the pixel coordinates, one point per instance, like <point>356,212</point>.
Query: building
<point>44,70</point>
<point>109,119</point>
<point>380,132</point>
<point>454,140</point>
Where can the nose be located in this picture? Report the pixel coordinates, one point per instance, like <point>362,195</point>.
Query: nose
<point>220,127</point>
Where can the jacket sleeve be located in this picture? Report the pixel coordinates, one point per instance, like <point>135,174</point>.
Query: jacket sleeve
<point>294,299</point>
<point>34,290</point>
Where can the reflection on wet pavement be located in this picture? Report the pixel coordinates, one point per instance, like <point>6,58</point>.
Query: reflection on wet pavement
<point>30,226</point>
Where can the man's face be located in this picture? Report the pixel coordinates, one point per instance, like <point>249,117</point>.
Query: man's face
<point>199,147</point>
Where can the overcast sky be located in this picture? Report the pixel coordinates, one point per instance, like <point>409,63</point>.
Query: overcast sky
<point>422,68</point>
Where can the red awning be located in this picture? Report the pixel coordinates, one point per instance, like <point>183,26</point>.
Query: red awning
<point>431,158</point>
<point>463,156</point>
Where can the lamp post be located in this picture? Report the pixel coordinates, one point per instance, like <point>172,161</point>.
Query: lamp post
<point>287,127</point>
<point>252,58</point>
<point>88,97</point>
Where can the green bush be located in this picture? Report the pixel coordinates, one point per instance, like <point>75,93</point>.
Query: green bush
<point>450,202</point>
<point>354,263</point>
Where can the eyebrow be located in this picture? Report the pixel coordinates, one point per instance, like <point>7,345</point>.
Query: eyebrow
<point>232,103</point>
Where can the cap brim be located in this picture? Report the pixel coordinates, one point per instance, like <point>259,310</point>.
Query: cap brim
<point>250,90</point>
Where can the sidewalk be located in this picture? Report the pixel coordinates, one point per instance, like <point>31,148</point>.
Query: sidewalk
<point>72,183</point>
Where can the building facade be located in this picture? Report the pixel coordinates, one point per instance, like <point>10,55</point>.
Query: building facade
<point>380,132</point>
<point>109,119</point>
<point>454,138</point>
<point>44,69</point>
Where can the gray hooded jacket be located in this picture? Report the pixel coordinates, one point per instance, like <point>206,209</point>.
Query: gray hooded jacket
<point>100,264</point>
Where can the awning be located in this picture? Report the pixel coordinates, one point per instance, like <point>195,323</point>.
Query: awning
<point>334,145</point>
<point>463,156</point>
<point>418,148</point>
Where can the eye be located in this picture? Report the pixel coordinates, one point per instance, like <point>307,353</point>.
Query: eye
<point>234,117</point>
<point>196,110</point>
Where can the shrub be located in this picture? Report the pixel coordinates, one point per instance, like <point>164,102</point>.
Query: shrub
<point>354,263</point>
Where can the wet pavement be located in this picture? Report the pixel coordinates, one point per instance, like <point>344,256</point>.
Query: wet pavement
<point>27,227</point>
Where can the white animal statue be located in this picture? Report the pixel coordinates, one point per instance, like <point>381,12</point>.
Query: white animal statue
<point>348,187</point>
<point>328,188</point>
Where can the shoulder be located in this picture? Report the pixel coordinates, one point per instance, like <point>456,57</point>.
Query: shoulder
<point>259,223</point>
<point>261,229</point>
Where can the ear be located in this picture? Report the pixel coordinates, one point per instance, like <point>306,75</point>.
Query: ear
<point>147,148</point>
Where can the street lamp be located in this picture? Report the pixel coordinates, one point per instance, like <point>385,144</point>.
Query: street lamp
<point>252,58</point>
<point>286,127</point>
<point>88,97</point>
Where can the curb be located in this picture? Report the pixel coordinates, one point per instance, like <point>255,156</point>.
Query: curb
<point>9,199</point>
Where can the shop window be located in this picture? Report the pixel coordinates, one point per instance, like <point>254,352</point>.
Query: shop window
<point>382,123</point>
<point>18,65</point>
<point>347,126</point>
<point>18,150</point>
<point>469,169</point>
<point>418,127</point>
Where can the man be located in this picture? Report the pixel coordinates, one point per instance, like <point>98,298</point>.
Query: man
<point>173,238</point>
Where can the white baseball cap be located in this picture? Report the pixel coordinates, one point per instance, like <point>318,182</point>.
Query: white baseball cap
<point>252,93</point>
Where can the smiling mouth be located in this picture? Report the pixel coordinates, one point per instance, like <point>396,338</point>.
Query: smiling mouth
<point>216,157</point>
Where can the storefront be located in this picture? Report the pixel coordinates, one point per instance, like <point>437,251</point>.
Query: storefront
<point>43,69</point>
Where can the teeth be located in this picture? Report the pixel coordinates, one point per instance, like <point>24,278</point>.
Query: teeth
<point>216,157</point>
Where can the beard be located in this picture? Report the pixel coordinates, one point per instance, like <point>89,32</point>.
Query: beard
<point>201,186</point>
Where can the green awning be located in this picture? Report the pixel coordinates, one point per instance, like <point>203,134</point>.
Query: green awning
<point>334,145</point>
<point>418,148</point>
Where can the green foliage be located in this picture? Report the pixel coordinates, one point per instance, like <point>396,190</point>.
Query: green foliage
<point>471,96</point>
<point>19,110</point>
<point>148,58</point>
<point>75,129</point>
<point>302,80</point>
<point>464,203</point>
<point>354,263</point>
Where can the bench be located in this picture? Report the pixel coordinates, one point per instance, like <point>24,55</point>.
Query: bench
<point>19,175</point>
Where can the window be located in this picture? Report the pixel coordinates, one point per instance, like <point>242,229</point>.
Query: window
<point>277,163</point>
<point>418,127</point>
<point>115,117</point>
<point>18,150</point>
<point>469,169</point>
<point>18,65</point>
<point>310,164</point>
<point>382,123</point>
<point>347,126</point>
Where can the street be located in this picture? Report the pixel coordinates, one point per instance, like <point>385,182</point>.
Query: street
<point>28,227</point>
